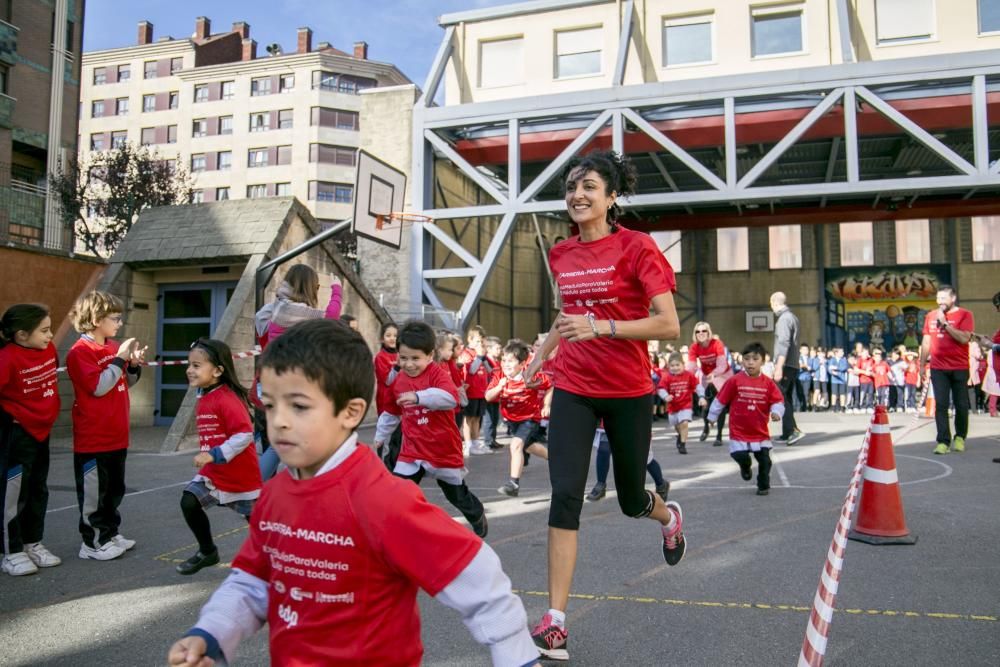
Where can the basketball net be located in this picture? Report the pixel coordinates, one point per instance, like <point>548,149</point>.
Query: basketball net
<point>404,219</point>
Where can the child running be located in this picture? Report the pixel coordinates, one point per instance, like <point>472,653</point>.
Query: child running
<point>424,400</point>
<point>229,474</point>
<point>676,388</point>
<point>520,407</point>
<point>339,586</point>
<point>750,396</point>
<point>385,361</point>
<point>101,371</point>
<point>29,406</point>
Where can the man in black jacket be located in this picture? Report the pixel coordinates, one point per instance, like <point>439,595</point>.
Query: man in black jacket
<point>786,364</point>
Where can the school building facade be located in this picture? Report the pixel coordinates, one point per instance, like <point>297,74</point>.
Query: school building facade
<point>846,152</point>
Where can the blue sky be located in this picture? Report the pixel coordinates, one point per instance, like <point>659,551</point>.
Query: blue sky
<point>403,32</point>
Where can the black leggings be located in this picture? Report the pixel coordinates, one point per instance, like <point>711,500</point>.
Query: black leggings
<point>629,425</point>
<point>197,521</point>
<point>710,393</point>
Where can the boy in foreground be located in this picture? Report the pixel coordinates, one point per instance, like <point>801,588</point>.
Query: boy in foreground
<point>332,584</point>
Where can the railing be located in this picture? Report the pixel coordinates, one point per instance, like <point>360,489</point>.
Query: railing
<point>22,215</point>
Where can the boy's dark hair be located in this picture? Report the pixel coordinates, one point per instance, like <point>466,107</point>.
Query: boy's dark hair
<point>329,353</point>
<point>618,172</point>
<point>219,354</point>
<point>518,349</point>
<point>21,317</point>
<point>417,335</point>
<point>754,348</point>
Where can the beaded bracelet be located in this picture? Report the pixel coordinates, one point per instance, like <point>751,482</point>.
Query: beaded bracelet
<point>593,325</point>
<point>613,329</point>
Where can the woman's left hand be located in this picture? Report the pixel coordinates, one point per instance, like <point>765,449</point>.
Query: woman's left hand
<point>574,327</point>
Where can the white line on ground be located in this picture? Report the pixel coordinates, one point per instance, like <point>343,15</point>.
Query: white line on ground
<point>781,471</point>
<point>127,495</point>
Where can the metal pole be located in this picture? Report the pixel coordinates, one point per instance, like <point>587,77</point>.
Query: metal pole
<point>266,270</point>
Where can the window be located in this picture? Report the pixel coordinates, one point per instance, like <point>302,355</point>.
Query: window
<point>989,16</point>
<point>257,157</point>
<point>688,40</point>
<point>325,117</point>
<point>149,69</point>
<point>97,142</point>
<point>913,241</point>
<point>287,83</point>
<point>121,106</point>
<point>578,52</point>
<point>501,62</point>
<point>670,245</point>
<point>256,191</point>
<point>904,20</point>
<point>283,189</point>
<point>777,30</point>
<point>324,80</point>
<point>4,77</point>
<point>199,127</point>
<point>198,162</point>
<point>284,154</point>
<point>784,247</point>
<point>147,136</point>
<point>856,245</point>
<point>347,120</point>
<point>260,122</point>
<point>340,193</point>
<point>171,165</point>
<point>148,103</point>
<point>225,124</point>
<point>124,72</point>
<point>227,90</point>
<point>171,134</point>
<point>221,194</point>
<point>174,99</point>
<point>732,249</point>
<point>118,139</point>
<point>201,93</point>
<point>261,86</point>
<point>176,65</point>
<point>986,239</point>
<point>100,76</point>
<point>197,196</point>
<point>285,119</point>
<point>225,160</point>
<point>329,154</point>
<point>97,108</point>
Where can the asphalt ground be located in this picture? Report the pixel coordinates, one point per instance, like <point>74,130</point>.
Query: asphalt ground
<point>741,595</point>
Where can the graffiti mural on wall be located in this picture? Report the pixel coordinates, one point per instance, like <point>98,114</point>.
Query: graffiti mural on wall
<point>885,307</point>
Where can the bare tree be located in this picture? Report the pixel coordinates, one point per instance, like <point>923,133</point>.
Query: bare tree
<point>102,197</point>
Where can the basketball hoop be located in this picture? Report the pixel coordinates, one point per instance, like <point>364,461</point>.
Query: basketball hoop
<point>401,218</point>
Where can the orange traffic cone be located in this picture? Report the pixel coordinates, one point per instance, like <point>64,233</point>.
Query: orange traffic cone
<point>880,517</point>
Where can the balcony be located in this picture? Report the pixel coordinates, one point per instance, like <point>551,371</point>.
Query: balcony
<point>22,215</point>
<point>8,43</point>
<point>7,104</point>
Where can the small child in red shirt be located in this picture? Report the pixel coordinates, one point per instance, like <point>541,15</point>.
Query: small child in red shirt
<point>751,397</point>
<point>880,377</point>
<point>912,378</point>
<point>385,361</point>
<point>230,473</point>
<point>677,389</point>
<point>424,400</point>
<point>521,408</point>
<point>339,586</point>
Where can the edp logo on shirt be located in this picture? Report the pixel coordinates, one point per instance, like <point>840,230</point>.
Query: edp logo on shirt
<point>291,618</point>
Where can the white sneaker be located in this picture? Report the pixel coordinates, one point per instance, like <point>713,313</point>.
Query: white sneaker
<point>479,448</point>
<point>41,556</point>
<point>123,542</point>
<point>107,551</point>
<point>18,565</point>
<point>466,449</point>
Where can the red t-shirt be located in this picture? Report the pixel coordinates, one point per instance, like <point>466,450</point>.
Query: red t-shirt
<point>681,388</point>
<point>749,400</point>
<point>220,415</point>
<point>29,389</point>
<point>518,403</point>
<point>881,370</point>
<point>708,356</point>
<point>947,354</point>
<point>996,356</point>
<point>428,435</point>
<point>866,368</point>
<point>479,380</point>
<point>384,361</point>
<point>100,423</point>
<point>614,278</point>
<point>912,375</point>
<point>343,582</point>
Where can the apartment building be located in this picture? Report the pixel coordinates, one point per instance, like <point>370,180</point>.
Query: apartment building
<point>245,124</point>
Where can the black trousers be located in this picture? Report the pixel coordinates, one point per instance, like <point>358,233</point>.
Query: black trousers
<point>710,393</point>
<point>491,419</point>
<point>24,490</point>
<point>629,425</point>
<point>390,450</point>
<point>100,488</point>
<point>789,383</point>
<point>949,387</point>
<point>763,465</point>
<point>458,495</point>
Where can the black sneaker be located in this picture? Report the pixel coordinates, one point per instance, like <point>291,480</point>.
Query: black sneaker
<point>481,527</point>
<point>717,443</point>
<point>495,446</point>
<point>704,435</point>
<point>510,489</point>
<point>198,561</point>
<point>551,640</point>
<point>746,471</point>
<point>597,492</point>
<point>763,492</point>
<point>663,489</point>
<point>674,543</point>
<point>682,448</point>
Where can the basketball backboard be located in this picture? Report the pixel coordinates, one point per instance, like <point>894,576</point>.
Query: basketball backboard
<point>379,189</point>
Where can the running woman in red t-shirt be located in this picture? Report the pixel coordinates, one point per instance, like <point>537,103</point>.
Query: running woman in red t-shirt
<point>29,406</point>
<point>608,277</point>
<point>229,473</point>
<point>707,355</point>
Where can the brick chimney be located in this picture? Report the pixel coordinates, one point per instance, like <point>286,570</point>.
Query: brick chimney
<point>242,27</point>
<point>145,33</point>
<point>249,49</point>
<point>305,40</point>
<point>361,50</point>
<point>202,28</point>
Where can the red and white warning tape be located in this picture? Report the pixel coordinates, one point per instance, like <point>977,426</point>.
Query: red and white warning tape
<point>183,362</point>
<point>818,628</point>
<point>917,420</point>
